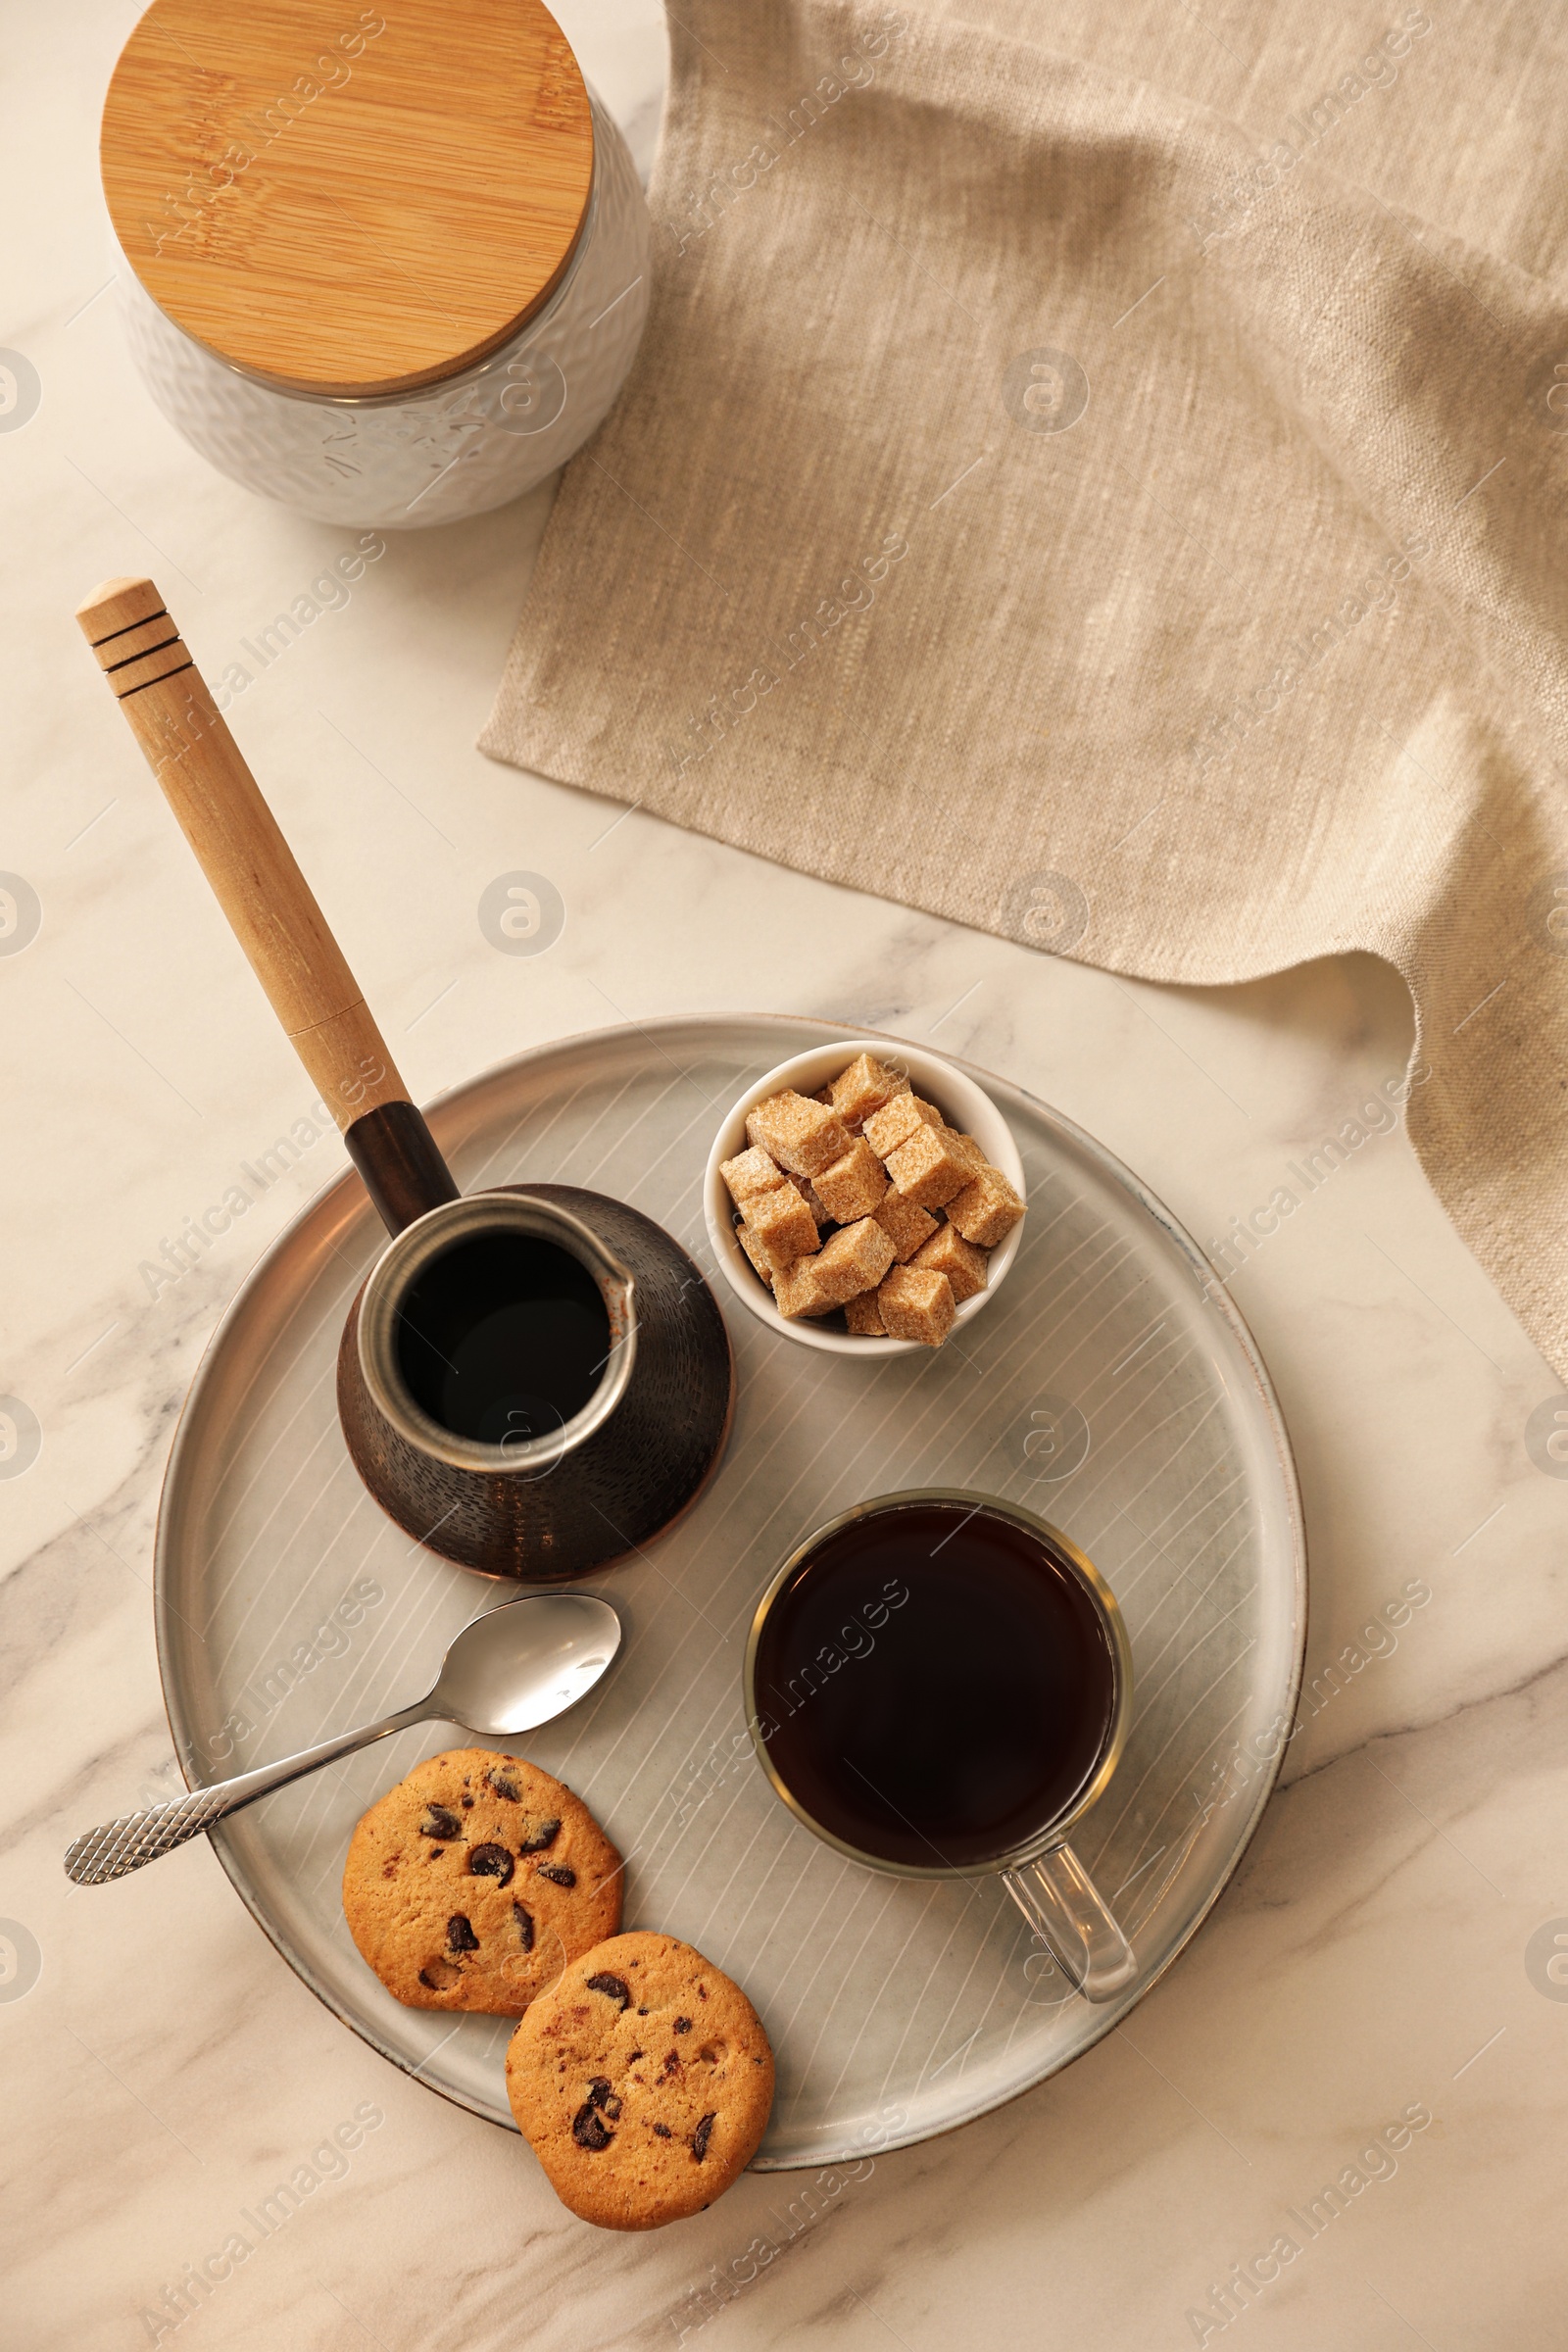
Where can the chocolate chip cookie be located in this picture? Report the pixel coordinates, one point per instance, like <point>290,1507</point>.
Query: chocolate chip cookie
<point>642,2081</point>
<point>473,1882</point>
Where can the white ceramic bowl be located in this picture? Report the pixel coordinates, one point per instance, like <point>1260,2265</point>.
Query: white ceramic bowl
<point>964,1105</point>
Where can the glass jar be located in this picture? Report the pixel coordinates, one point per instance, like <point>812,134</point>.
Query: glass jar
<point>391,455</point>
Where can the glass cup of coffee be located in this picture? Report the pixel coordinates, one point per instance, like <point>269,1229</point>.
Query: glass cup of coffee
<point>940,1685</point>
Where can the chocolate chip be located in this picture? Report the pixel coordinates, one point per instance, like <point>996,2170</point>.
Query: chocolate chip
<point>588,2128</point>
<point>558,1873</point>
<point>642,2013</point>
<point>663,2132</point>
<point>525,1927</point>
<point>701,1992</point>
<point>545,1835</point>
<point>601,2096</point>
<point>466,1802</point>
<point>425,1977</point>
<point>505,1785</point>
<point>683,2024</point>
<point>440,1822</point>
<point>460,1936</point>
<point>702,2135</point>
<point>491,1862</point>
<point>616,1987</point>
<point>632,2060</point>
<point>672,2062</point>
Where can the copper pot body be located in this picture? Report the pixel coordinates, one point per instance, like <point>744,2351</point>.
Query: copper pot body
<point>548,1512</point>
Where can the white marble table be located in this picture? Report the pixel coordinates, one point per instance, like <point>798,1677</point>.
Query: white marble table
<point>1386,1949</point>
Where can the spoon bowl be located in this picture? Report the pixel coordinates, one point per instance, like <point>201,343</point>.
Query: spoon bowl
<point>525,1663</point>
<point>510,1671</point>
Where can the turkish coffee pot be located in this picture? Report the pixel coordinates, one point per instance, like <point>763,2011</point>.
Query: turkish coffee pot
<point>533,1381</point>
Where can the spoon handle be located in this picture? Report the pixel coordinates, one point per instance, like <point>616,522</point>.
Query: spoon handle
<point>116,1847</point>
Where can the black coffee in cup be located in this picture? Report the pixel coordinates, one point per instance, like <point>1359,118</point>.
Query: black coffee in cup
<point>934,1683</point>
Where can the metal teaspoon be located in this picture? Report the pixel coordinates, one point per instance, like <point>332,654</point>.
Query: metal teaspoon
<point>510,1671</point>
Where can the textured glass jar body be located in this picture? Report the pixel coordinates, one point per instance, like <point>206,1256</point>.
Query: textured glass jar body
<point>453,449</point>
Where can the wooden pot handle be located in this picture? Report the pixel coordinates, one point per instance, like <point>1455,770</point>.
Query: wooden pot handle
<point>238,846</point>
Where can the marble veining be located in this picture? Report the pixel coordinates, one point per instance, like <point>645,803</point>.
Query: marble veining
<point>1389,1941</point>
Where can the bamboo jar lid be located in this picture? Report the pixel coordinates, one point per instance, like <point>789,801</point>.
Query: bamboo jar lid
<point>348,200</point>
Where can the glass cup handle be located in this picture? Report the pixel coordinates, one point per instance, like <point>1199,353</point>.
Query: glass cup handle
<point>1067,1911</point>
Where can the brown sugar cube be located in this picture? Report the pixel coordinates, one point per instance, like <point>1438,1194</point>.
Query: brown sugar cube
<point>854,1261</point>
<point>964,1148</point>
<point>948,1253</point>
<point>865,1317</point>
<point>907,1223</point>
<point>894,1124</point>
<point>756,1251</point>
<point>809,1195</point>
<point>864,1087</point>
<point>801,1135</point>
<point>782,1223</point>
<point>927,1170</point>
<point>987,1209</point>
<point>777,1262</point>
<point>851,1188</point>
<point>750,1173</point>
<point>797,1292</point>
<point>916,1305</point>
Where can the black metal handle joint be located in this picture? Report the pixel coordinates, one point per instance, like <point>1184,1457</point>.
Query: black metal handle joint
<point>398,1158</point>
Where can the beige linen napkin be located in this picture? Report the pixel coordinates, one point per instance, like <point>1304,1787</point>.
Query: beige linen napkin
<point>1096,474</point>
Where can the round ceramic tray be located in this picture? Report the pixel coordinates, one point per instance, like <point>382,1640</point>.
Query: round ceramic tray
<point>1111,1389</point>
